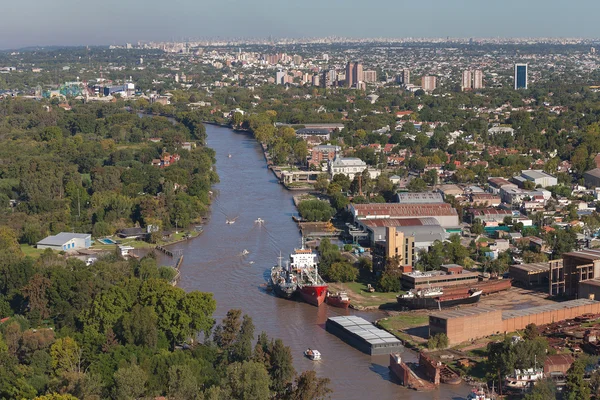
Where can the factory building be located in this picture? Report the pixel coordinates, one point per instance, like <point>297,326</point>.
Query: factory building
<point>472,323</point>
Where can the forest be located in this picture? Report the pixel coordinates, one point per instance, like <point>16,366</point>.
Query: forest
<point>91,169</point>
<point>118,329</point>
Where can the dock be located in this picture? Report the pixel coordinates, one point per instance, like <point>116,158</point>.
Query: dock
<point>363,335</point>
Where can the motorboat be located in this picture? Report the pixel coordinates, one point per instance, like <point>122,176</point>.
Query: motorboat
<point>229,155</point>
<point>251,262</point>
<point>230,221</point>
<point>259,220</point>
<point>245,252</point>
<point>479,394</point>
<point>314,355</point>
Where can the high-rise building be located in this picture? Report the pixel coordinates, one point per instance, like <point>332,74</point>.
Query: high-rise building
<point>466,83</point>
<point>350,73</point>
<point>520,76</point>
<point>428,83</point>
<point>358,73</point>
<point>297,59</point>
<point>370,76</point>
<point>477,79</point>
<point>406,76</point>
<point>472,80</point>
<point>354,73</point>
<point>280,77</point>
<point>315,80</point>
<point>328,78</point>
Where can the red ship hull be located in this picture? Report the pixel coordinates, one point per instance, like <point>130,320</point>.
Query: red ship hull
<point>335,301</point>
<point>314,295</point>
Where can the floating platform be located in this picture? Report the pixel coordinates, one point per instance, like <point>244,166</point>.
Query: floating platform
<point>363,335</point>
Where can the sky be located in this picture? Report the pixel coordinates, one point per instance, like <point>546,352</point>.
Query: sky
<point>103,22</point>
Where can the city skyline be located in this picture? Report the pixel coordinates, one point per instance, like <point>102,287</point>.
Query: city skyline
<point>34,23</point>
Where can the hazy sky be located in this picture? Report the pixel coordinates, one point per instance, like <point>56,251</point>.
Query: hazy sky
<point>89,22</point>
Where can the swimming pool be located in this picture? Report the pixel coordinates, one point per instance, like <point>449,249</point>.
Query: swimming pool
<point>107,241</point>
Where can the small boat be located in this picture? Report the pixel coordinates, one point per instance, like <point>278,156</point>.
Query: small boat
<point>259,220</point>
<point>230,221</point>
<point>251,262</point>
<point>340,299</point>
<point>479,394</point>
<point>522,379</point>
<point>314,355</point>
<point>245,252</point>
<point>229,155</point>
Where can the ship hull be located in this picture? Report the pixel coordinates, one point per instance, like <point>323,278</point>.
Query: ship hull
<point>335,301</point>
<point>313,294</point>
<point>434,303</point>
<point>284,292</point>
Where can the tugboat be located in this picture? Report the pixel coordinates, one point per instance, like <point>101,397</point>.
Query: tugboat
<point>478,394</point>
<point>314,355</point>
<point>283,281</point>
<point>311,286</point>
<point>522,379</point>
<point>340,299</point>
<point>434,298</point>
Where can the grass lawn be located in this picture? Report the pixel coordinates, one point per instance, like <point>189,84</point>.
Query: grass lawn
<point>31,251</point>
<point>360,296</point>
<point>404,321</point>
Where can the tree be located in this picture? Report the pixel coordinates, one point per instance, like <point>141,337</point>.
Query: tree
<point>322,183</point>
<point>438,341</point>
<point>477,227</point>
<point>130,382</point>
<point>66,356</point>
<point>315,210</point>
<point>281,368</point>
<point>242,348</point>
<point>531,332</point>
<point>543,390</point>
<point>417,185</point>
<point>309,387</point>
<point>577,388</point>
<point>183,384</point>
<point>248,380</point>
<point>342,272</point>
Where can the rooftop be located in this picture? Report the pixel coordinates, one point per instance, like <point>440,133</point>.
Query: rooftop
<point>463,312</point>
<point>365,330</point>
<point>419,198</point>
<point>403,210</point>
<point>535,174</point>
<point>549,307</point>
<point>532,267</point>
<point>587,254</point>
<point>62,238</point>
<point>395,222</point>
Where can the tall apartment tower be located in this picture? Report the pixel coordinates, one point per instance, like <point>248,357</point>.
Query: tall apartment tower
<point>477,79</point>
<point>354,73</point>
<point>466,82</point>
<point>370,76</point>
<point>406,76</point>
<point>428,83</point>
<point>520,76</point>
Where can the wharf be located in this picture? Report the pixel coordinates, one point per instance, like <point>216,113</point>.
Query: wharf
<point>363,335</point>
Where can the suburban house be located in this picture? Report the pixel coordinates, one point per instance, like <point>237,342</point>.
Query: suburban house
<point>65,241</point>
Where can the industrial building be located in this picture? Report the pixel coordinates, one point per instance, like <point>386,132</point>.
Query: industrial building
<point>419,198</point>
<point>472,323</point>
<point>576,267</point>
<point>363,335</point>
<point>443,213</point>
<point>65,241</point>
<point>532,274</point>
<point>449,275</point>
<point>538,177</point>
<point>396,244</point>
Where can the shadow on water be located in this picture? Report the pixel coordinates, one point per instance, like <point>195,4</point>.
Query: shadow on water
<point>382,371</point>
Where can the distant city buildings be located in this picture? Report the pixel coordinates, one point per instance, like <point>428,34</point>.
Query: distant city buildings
<point>520,76</point>
<point>429,83</point>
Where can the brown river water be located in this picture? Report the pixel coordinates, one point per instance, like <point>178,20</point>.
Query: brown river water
<point>214,263</point>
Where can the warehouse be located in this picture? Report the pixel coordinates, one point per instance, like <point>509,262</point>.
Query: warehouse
<point>476,322</point>
<point>534,274</point>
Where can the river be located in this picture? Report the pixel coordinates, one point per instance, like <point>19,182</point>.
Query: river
<point>214,263</point>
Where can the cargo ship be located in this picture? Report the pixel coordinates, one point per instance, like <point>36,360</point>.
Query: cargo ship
<point>284,282</point>
<point>435,298</point>
<point>339,299</point>
<point>311,286</point>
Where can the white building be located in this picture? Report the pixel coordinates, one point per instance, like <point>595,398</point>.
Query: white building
<point>538,177</point>
<point>65,241</point>
<point>350,167</point>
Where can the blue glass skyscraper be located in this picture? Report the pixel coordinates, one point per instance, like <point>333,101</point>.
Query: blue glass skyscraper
<point>520,76</point>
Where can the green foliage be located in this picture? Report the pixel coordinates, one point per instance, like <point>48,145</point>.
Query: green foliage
<point>341,272</point>
<point>438,341</point>
<point>315,210</point>
<point>577,388</point>
<point>417,185</point>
